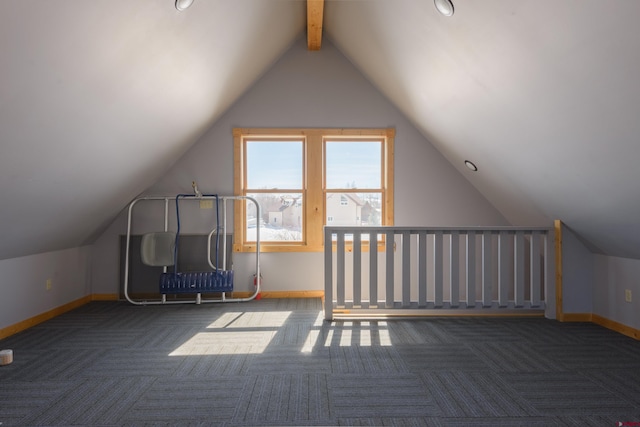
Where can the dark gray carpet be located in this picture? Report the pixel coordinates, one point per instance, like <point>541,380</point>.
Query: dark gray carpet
<point>276,362</point>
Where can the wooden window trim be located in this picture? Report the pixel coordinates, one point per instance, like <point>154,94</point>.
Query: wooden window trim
<point>313,186</point>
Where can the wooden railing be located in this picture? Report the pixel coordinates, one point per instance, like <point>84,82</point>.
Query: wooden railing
<point>438,271</point>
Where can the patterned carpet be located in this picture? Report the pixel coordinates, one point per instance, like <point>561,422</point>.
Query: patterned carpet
<point>276,362</point>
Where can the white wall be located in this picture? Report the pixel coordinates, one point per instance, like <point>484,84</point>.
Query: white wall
<point>612,277</point>
<point>312,89</point>
<point>23,283</point>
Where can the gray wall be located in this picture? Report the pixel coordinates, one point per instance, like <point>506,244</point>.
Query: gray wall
<point>594,283</point>
<point>23,283</point>
<point>612,276</point>
<point>577,274</point>
<point>311,89</point>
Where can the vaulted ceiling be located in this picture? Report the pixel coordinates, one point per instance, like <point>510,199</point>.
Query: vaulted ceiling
<point>98,98</point>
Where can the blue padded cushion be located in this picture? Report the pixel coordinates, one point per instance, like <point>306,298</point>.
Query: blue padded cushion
<point>196,282</point>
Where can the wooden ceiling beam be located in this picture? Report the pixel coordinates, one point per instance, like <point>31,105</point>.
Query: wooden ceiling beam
<point>315,10</point>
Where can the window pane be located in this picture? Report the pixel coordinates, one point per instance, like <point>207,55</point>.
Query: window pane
<point>354,209</point>
<point>353,164</point>
<point>280,219</point>
<point>274,165</point>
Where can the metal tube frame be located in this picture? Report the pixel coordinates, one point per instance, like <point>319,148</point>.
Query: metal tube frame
<point>198,299</point>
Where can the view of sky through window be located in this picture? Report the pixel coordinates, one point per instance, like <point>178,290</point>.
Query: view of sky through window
<point>274,164</point>
<point>353,164</point>
<point>278,164</point>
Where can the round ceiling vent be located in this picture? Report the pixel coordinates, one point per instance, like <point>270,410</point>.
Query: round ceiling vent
<point>183,4</point>
<point>471,166</point>
<point>445,7</point>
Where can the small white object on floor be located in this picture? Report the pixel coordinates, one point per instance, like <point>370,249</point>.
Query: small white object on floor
<point>6,357</point>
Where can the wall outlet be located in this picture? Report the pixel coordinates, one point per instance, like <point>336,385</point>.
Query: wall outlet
<point>627,295</point>
<point>206,204</point>
<point>48,284</point>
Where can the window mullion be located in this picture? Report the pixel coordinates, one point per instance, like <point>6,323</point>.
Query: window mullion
<point>313,190</point>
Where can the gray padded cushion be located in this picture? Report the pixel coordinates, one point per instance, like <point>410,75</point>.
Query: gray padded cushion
<point>156,249</point>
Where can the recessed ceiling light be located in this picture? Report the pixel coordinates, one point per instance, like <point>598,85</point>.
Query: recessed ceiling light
<point>445,7</point>
<point>471,166</point>
<point>183,4</point>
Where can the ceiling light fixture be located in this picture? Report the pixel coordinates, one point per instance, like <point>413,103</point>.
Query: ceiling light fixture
<point>445,7</point>
<point>183,4</point>
<point>471,166</point>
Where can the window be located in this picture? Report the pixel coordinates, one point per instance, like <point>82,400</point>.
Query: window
<point>306,178</point>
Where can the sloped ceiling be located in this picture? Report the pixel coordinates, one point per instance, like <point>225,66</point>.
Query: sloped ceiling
<point>544,97</point>
<point>98,98</point>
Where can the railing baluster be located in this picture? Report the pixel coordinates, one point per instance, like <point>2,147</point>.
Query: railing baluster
<point>535,269</point>
<point>328,276</point>
<point>357,269</point>
<point>390,243</point>
<point>518,259</point>
<point>340,261</point>
<point>373,269</point>
<point>406,269</point>
<point>471,269</point>
<point>454,266</point>
<point>503,269</point>
<point>422,269</point>
<point>487,273</point>
<point>438,277</point>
